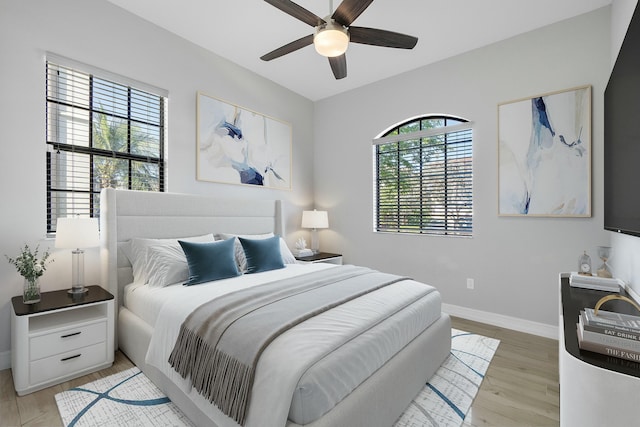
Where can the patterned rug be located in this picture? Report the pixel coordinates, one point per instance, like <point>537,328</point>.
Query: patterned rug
<point>448,396</point>
<point>128,398</point>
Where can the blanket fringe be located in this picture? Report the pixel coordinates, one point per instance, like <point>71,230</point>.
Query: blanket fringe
<point>220,378</point>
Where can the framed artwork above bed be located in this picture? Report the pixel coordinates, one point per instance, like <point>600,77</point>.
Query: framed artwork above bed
<point>238,146</point>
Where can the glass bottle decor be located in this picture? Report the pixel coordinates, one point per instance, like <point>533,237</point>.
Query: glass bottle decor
<point>31,291</point>
<point>584,264</point>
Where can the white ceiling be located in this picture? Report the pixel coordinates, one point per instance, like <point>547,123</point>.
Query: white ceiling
<point>244,30</point>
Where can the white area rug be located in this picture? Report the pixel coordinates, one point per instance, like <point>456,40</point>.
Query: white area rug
<point>128,398</point>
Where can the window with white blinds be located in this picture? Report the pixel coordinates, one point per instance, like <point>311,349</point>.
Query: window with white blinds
<point>99,134</point>
<point>424,177</point>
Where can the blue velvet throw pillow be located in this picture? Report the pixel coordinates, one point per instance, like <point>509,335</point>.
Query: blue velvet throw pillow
<point>209,261</point>
<point>262,254</point>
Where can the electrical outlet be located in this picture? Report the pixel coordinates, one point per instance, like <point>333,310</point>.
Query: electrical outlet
<point>470,284</point>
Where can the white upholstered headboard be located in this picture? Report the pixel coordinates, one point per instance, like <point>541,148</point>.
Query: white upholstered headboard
<point>125,214</point>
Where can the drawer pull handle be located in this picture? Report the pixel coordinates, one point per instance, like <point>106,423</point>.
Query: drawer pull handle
<point>70,357</point>
<point>71,335</point>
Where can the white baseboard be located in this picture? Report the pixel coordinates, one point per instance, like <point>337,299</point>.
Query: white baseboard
<point>5,360</point>
<point>520,325</point>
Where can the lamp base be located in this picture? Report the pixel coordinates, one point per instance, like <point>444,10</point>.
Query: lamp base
<point>315,241</point>
<point>78,291</point>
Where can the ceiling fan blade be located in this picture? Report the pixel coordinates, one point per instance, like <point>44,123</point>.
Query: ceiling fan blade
<point>288,48</point>
<point>339,66</point>
<point>296,11</point>
<point>349,10</point>
<point>375,37</point>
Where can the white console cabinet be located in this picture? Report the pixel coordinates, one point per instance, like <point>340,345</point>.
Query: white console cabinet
<point>595,390</point>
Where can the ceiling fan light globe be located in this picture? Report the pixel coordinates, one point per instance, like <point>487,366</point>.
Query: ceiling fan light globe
<point>331,40</point>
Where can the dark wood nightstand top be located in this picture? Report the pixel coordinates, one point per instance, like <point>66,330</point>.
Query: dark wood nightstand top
<point>318,257</point>
<point>56,300</point>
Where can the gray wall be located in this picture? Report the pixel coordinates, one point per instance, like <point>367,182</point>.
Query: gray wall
<point>98,33</point>
<point>515,261</point>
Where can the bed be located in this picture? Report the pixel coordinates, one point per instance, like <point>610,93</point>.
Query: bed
<point>284,390</point>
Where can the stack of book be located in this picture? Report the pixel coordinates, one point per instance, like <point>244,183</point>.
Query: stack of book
<point>594,282</point>
<point>613,334</point>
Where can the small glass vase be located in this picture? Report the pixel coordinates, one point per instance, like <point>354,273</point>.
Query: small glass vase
<point>31,291</point>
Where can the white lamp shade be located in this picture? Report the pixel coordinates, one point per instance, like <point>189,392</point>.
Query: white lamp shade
<point>315,219</point>
<point>72,233</point>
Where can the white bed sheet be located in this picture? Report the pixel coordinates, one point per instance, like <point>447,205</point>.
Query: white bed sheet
<point>275,386</point>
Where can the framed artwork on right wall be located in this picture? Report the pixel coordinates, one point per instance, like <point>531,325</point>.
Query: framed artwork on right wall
<point>544,155</point>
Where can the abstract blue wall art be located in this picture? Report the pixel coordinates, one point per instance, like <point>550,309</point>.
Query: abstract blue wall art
<point>239,146</point>
<point>544,155</point>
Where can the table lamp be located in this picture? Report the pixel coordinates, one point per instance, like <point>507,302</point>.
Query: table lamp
<point>315,219</point>
<point>77,234</point>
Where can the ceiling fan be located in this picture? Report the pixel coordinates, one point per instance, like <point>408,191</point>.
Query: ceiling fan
<point>333,33</point>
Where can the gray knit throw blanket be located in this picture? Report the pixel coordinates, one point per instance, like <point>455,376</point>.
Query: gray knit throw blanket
<point>220,342</point>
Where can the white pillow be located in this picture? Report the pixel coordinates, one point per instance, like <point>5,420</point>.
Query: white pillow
<point>287,256</point>
<point>137,252</point>
<point>166,265</point>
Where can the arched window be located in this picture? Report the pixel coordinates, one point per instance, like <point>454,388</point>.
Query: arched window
<point>424,177</point>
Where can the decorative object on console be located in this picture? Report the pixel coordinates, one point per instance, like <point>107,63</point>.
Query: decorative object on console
<point>604,252</point>
<point>239,146</point>
<point>77,234</point>
<point>315,219</point>
<point>544,155</point>
<point>301,248</point>
<point>578,280</point>
<point>584,264</point>
<point>617,317</point>
<point>30,268</point>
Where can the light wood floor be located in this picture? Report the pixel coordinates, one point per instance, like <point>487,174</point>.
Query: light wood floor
<point>519,389</point>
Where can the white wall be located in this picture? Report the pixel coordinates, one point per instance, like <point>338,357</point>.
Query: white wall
<point>625,249</point>
<point>515,261</point>
<point>98,33</point>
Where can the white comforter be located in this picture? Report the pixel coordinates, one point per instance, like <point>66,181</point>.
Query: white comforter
<point>279,368</point>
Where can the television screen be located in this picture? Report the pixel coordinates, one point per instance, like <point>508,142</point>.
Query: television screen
<point>622,137</point>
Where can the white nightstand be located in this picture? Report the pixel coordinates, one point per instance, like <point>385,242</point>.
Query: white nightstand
<point>321,257</point>
<point>60,338</point>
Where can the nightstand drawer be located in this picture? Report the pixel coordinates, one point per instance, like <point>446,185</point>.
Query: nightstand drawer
<point>66,363</point>
<point>68,339</point>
